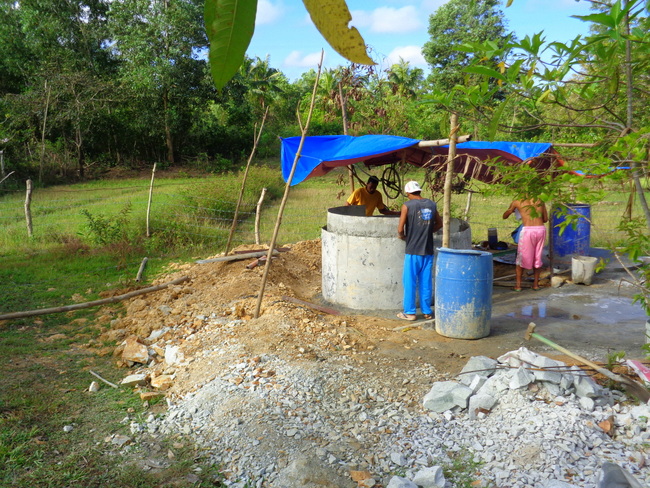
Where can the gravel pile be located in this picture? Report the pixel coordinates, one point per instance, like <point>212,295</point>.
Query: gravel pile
<point>270,422</point>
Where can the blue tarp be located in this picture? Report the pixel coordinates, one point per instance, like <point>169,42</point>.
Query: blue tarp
<point>318,151</point>
<point>321,154</point>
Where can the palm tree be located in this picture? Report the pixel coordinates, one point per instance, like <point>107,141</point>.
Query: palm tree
<point>404,80</point>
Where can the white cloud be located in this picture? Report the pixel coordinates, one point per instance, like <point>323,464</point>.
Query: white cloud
<point>388,20</point>
<point>297,59</point>
<point>267,12</point>
<point>430,6</point>
<point>412,54</point>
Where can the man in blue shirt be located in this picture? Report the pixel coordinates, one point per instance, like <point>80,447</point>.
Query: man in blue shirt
<point>419,219</point>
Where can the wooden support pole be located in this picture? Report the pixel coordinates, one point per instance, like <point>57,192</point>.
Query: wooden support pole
<point>79,306</point>
<point>28,209</point>
<point>138,277</point>
<point>258,214</point>
<point>237,257</point>
<point>287,187</point>
<point>256,140</point>
<point>444,142</point>
<point>153,175</point>
<point>446,208</point>
<point>468,205</point>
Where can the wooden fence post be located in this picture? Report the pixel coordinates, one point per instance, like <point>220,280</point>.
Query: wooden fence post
<point>258,211</point>
<point>153,175</point>
<point>28,210</point>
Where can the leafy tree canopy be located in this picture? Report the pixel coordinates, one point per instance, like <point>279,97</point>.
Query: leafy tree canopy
<point>455,23</point>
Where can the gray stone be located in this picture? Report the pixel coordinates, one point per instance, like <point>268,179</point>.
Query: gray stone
<point>308,472</point>
<point>548,369</point>
<point>480,365</point>
<point>587,404</point>
<point>586,387</point>
<point>613,476</point>
<point>521,379</point>
<point>398,458</point>
<point>480,402</point>
<point>431,477</point>
<point>445,395</point>
<point>399,482</point>
<point>557,484</point>
<point>477,381</point>
<point>134,380</point>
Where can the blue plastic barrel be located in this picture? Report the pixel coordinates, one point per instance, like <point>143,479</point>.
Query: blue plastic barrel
<point>463,293</point>
<point>575,239</point>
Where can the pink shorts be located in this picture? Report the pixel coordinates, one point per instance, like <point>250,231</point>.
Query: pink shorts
<point>531,246</point>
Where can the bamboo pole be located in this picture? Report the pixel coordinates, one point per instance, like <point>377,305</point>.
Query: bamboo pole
<point>468,205</point>
<point>28,208</point>
<point>344,115</point>
<point>256,140</point>
<point>153,175</point>
<point>444,142</point>
<point>258,214</point>
<point>79,306</point>
<point>288,186</point>
<point>446,207</point>
<point>236,257</point>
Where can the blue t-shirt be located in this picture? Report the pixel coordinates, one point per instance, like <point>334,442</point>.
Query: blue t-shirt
<point>420,222</point>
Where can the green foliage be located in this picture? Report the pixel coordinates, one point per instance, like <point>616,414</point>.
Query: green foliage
<point>230,25</point>
<point>456,23</point>
<point>105,230</point>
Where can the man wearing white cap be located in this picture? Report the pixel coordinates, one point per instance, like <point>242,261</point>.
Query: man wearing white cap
<point>419,219</point>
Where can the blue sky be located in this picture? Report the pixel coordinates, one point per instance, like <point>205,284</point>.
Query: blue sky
<point>392,29</point>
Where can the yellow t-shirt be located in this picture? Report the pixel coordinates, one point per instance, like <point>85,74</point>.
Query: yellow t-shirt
<point>360,196</point>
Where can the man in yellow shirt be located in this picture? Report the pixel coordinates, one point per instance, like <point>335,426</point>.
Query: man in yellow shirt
<point>371,198</point>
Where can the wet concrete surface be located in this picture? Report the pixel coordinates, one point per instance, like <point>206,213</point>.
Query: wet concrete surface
<point>597,319</point>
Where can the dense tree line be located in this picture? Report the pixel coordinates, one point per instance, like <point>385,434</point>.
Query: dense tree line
<point>87,85</point>
<point>90,84</point>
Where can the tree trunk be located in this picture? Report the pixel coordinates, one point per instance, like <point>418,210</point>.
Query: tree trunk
<point>168,133</point>
<point>630,117</point>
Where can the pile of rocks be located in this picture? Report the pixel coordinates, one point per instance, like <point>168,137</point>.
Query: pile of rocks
<point>273,423</point>
<point>483,380</point>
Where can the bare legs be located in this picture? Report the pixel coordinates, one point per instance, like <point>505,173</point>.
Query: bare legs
<point>519,271</point>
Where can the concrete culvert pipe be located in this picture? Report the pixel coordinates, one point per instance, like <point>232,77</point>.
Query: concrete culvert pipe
<point>363,260</point>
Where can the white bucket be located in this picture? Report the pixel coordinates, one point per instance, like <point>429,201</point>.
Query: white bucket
<point>583,269</point>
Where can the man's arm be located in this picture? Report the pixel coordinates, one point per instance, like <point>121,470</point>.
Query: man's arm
<point>438,222</point>
<point>386,211</point>
<point>402,222</point>
<point>510,210</point>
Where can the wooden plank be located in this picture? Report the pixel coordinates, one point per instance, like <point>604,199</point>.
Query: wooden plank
<point>297,301</point>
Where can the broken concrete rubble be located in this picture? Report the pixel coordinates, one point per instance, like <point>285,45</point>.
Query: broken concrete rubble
<point>479,389</point>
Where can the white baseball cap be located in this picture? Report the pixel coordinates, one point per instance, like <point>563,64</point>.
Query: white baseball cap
<point>412,187</point>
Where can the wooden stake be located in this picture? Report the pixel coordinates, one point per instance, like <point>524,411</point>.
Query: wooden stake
<point>153,175</point>
<point>446,207</point>
<point>79,306</point>
<point>258,212</point>
<point>100,378</point>
<point>243,183</point>
<point>138,277</point>
<point>28,208</point>
<point>287,187</point>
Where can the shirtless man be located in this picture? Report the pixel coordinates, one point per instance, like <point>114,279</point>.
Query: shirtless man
<point>532,237</point>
